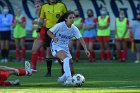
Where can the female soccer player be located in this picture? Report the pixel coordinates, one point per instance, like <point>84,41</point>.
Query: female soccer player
<point>122,35</point>
<point>19,34</point>
<point>136,36</point>
<point>62,34</point>
<point>5,72</point>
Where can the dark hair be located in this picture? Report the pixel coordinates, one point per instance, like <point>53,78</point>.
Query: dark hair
<point>64,16</point>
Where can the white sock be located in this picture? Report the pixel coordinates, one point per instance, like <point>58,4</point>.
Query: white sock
<point>66,67</point>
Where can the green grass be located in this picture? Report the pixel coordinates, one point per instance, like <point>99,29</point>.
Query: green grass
<point>101,77</point>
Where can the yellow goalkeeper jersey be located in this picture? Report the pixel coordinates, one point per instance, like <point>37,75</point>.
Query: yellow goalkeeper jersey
<point>52,12</point>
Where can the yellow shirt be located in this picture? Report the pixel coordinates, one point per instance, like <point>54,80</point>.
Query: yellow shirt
<point>52,13</point>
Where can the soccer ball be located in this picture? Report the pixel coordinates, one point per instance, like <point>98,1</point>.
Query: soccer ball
<point>78,80</point>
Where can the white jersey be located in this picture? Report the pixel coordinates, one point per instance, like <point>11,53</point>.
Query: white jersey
<point>64,34</point>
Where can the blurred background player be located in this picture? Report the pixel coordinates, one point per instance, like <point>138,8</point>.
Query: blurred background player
<point>51,15</point>
<point>121,35</point>
<point>38,42</point>
<point>103,33</point>
<point>90,33</point>
<point>19,34</point>
<point>5,32</point>
<point>41,52</point>
<point>78,22</point>
<point>5,72</point>
<point>135,28</point>
<point>62,34</point>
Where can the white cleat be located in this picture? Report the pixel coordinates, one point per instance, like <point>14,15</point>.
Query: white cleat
<point>60,80</point>
<point>28,68</point>
<point>69,82</point>
<point>15,82</point>
<point>137,61</point>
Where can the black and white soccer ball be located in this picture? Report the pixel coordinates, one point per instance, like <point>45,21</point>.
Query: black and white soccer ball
<point>78,80</point>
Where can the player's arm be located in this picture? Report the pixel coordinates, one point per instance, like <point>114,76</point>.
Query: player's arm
<point>4,68</point>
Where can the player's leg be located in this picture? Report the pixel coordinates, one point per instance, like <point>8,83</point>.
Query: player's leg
<point>106,45</point>
<point>137,44</point>
<point>118,47</point>
<point>100,39</point>
<point>22,44</point>
<point>92,52</point>
<point>78,48</point>
<point>124,54</point>
<point>36,46</point>
<point>17,44</point>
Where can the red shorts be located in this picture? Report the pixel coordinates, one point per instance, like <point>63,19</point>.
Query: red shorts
<point>4,75</point>
<point>42,33</point>
<point>87,40</point>
<point>122,40</point>
<point>103,38</point>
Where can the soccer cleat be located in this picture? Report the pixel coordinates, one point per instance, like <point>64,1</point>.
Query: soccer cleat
<point>137,61</point>
<point>48,75</point>
<point>60,80</point>
<point>69,82</point>
<point>16,82</point>
<point>28,68</point>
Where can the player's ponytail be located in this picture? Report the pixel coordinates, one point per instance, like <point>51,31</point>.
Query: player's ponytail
<point>65,16</point>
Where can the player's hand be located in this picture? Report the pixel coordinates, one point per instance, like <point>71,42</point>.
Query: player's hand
<point>87,53</point>
<point>55,40</point>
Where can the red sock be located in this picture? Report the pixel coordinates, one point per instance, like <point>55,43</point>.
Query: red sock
<point>2,83</point>
<point>119,55</point>
<point>93,55</point>
<point>102,55</point>
<point>17,53</point>
<point>34,60</point>
<point>23,52</point>
<point>22,72</point>
<point>124,54</point>
<point>70,51</point>
<point>77,54</point>
<point>38,56</point>
<point>108,55</point>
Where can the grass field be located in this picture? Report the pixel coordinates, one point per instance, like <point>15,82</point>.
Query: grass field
<point>101,77</point>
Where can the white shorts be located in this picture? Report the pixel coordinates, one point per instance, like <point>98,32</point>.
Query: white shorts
<point>55,49</point>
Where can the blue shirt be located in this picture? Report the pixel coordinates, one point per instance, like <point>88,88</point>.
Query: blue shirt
<point>90,33</point>
<point>6,22</point>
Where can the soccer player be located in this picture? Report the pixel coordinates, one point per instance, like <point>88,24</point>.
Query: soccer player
<point>135,28</point>
<point>40,52</point>
<point>19,34</point>
<point>61,35</point>
<point>5,72</point>
<point>50,11</point>
<point>90,33</point>
<point>122,35</point>
<point>5,32</point>
<point>103,33</point>
<point>78,22</point>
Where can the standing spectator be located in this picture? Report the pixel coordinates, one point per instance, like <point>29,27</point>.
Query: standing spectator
<point>121,35</point>
<point>5,32</point>
<point>135,28</point>
<point>19,34</point>
<point>50,11</point>
<point>78,22</point>
<point>90,33</point>
<point>103,33</point>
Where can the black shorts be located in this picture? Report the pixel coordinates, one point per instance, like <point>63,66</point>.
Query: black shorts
<point>47,39</point>
<point>137,41</point>
<point>5,35</point>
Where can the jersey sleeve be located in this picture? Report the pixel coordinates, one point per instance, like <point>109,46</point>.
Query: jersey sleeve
<point>64,8</point>
<point>55,28</point>
<point>42,13</point>
<point>77,33</point>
